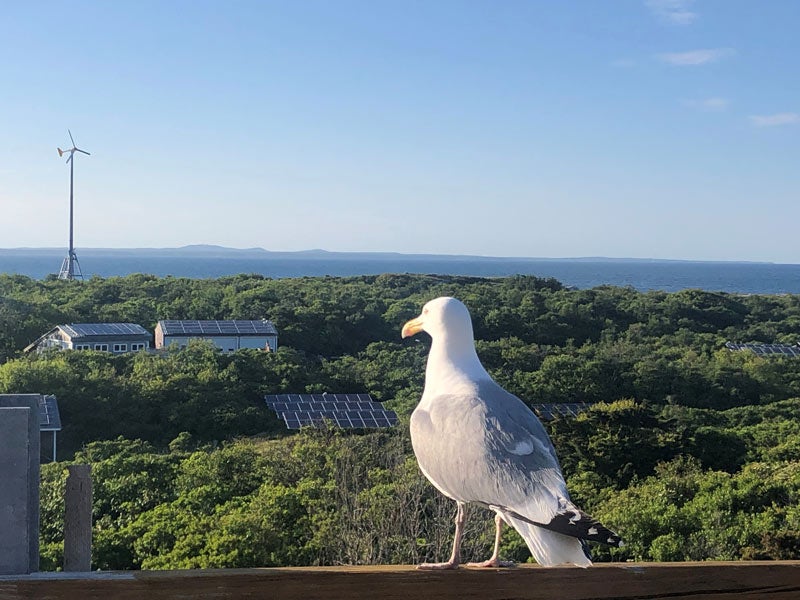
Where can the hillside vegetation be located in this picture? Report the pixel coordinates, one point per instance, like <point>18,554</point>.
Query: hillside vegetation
<point>690,452</point>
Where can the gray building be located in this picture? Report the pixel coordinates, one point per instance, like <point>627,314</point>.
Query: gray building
<point>117,338</point>
<point>228,336</point>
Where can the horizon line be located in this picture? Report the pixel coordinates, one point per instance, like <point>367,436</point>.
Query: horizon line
<point>205,248</point>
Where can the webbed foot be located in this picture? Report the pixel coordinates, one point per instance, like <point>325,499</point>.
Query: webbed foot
<point>437,566</point>
<point>493,563</point>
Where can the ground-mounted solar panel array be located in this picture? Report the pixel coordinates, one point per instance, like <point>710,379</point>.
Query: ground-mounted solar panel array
<point>349,411</point>
<point>49,418</point>
<point>548,412</point>
<point>766,349</point>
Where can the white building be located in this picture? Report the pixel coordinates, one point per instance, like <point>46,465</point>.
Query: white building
<point>228,336</point>
<point>117,338</point>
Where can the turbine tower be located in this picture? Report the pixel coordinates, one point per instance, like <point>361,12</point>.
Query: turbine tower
<point>71,268</point>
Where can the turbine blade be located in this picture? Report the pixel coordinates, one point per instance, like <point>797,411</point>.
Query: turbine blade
<point>70,137</point>
<point>70,156</point>
<point>84,151</point>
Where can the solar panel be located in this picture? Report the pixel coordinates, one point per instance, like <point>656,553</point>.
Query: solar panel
<point>348,411</point>
<point>766,349</point>
<point>49,417</point>
<point>291,420</point>
<point>235,327</point>
<point>76,330</point>
<point>549,412</point>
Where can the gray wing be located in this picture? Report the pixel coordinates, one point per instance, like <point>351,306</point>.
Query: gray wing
<point>489,448</point>
<point>522,458</point>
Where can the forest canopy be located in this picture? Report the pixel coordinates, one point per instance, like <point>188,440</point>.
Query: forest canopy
<point>690,450</point>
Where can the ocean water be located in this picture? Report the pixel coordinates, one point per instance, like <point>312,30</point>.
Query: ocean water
<point>744,278</point>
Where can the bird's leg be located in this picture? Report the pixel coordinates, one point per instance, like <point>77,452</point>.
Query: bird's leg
<point>495,561</point>
<point>455,556</point>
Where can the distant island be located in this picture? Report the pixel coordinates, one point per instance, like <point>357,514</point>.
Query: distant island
<point>208,261</point>
<point>213,251</point>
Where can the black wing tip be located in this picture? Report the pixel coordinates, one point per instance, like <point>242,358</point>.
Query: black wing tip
<point>576,523</point>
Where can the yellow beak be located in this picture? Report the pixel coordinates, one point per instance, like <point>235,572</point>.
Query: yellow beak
<point>414,326</point>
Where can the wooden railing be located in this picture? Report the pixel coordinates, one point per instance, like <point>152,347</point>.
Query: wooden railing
<point>707,580</point>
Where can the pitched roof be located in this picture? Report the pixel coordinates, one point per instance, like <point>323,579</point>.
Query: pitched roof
<point>49,417</point>
<point>237,327</point>
<point>78,330</point>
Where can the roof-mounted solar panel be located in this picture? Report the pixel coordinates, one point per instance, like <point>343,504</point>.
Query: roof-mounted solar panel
<point>233,327</point>
<point>76,330</point>
<point>49,417</point>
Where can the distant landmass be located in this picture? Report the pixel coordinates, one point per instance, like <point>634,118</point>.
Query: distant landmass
<point>205,261</point>
<point>212,251</point>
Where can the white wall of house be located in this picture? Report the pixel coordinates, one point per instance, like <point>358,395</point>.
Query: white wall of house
<point>113,346</point>
<point>226,343</point>
<point>259,343</point>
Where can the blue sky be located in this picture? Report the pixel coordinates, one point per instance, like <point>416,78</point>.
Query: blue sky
<point>622,128</point>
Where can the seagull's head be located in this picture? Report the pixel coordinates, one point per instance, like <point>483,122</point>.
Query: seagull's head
<point>442,318</point>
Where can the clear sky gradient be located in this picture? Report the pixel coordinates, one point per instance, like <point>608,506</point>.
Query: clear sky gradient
<point>625,128</point>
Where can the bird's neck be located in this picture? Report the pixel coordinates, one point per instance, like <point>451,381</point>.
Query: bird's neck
<point>453,368</point>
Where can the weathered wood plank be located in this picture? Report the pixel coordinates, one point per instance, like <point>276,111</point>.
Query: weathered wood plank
<point>711,581</point>
<point>78,519</point>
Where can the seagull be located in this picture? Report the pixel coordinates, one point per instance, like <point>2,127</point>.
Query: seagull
<point>479,444</point>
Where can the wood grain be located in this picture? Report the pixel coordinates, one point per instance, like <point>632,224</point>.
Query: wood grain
<point>778,580</point>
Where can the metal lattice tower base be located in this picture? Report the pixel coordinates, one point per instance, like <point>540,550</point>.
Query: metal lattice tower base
<point>70,268</point>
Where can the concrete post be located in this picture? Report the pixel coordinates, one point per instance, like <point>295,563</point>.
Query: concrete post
<point>78,519</point>
<point>19,532</point>
<point>23,436</point>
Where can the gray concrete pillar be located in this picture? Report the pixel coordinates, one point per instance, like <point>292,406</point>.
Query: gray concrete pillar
<point>19,487</point>
<point>78,519</point>
<point>31,511</point>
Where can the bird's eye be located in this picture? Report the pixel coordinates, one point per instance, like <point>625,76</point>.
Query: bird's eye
<point>424,311</point>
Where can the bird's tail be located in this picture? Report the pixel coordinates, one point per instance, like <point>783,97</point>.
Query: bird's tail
<point>550,548</point>
<point>570,521</point>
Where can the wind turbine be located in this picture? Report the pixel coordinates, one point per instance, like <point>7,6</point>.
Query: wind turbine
<point>71,268</point>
